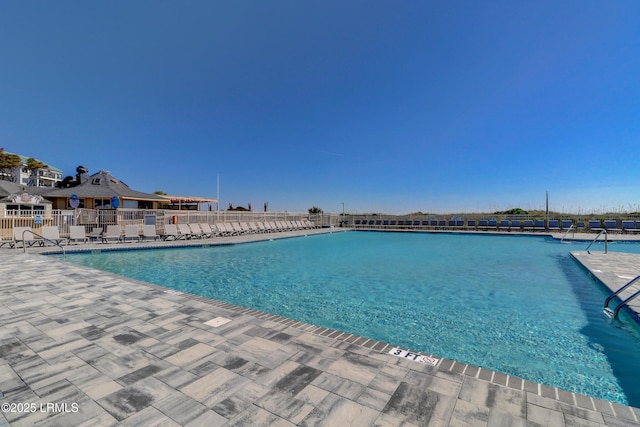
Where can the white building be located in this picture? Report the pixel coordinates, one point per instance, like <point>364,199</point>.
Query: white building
<point>45,177</point>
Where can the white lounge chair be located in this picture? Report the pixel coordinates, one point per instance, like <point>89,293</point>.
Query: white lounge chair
<point>51,233</point>
<point>206,229</point>
<point>114,232</point>
<point>96,234</point>
<point>6,240</point>
<point>25,236</point>
<point>254,227</point>
<point>235,226</point>
<point>271,226</point>
<point>231,230</point>
<point>185,231</point>
<point>224,229</point>
<point>196,231</point>
<point>77,232</point>
<point>171,232</point>
<point>149,232</point>
<point>217,228</point>
<point>131,232</point>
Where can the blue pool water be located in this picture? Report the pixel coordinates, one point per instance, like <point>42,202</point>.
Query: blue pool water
<point>518,305</point>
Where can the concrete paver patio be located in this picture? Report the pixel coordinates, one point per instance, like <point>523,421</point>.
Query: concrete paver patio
<point>84,347</point>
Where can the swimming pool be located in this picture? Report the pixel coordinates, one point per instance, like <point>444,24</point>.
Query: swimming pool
<point>518,305</point>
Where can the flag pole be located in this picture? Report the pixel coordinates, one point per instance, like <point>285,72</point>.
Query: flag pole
<point>217,196</point>
<point>547,206</point>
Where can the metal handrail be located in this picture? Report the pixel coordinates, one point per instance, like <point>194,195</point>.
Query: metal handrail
<point>623,303</point>
<point>613,295</point>
<point>24,247</point>
<point>614,313</point>
<point>572,227</point>
<point>606,241</point>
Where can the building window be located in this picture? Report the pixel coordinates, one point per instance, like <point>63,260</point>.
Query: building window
<point>102,203</point>
<point>33,209</point>
<point>81,204</point>
<point>95,181</point>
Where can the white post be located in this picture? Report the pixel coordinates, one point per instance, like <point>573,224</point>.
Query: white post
<point>547,206</point>
<point>217,197</point>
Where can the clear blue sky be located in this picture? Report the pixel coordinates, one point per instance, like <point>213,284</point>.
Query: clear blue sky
<point>435,106</point>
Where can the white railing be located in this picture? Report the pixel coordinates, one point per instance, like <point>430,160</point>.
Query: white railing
<point>100,218</point>
<point>23,213</point>
<point>36,219</point>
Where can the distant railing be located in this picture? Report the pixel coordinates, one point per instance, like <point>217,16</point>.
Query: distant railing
<point>100,218</point>
<point>48,174</point>
<point>503,222</point>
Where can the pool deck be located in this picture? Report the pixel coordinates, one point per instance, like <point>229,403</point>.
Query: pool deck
<point>84,347</point>
<point>614,270</point>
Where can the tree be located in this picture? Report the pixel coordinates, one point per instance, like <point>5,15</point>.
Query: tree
<point>32,166</point>
<point>8,162</point>
<point>160,193</point>
<point>315,210</point>
<point>237,208</point>
<point>513,211</point>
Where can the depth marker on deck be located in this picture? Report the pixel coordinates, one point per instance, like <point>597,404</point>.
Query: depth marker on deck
<point>429,360</point>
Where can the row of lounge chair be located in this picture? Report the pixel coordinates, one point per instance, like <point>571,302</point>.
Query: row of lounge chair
<point>612,226</point>
<point>471,224</point>
<point>26,237</point>
<point>135,233</point>
<point>203,230</point>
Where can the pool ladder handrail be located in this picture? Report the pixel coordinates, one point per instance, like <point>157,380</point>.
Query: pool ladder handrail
<point>572,227</point>
<point>614,313</point>
<point>24,246</point>
<point>606,241</point>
